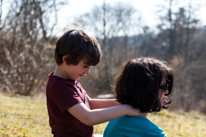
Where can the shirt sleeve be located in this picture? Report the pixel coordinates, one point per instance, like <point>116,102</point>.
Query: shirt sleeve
<point>65,96</point>
<point>155,133</point>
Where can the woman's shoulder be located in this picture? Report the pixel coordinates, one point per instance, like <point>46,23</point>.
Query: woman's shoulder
<point>145,126</point>
<point>133,126</point>
<point>150,129</point>
<point>136,122</point>
<point>155,132</point>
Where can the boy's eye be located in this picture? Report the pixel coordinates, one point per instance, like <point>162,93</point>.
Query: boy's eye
<point>85,66</point>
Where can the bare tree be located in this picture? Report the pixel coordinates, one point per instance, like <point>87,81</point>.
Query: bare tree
<point>112,25</point>
<point>25,53</point>
<point>1,1</point>
<point>176,29</point>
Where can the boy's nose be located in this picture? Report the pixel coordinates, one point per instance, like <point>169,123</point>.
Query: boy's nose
<point>87,71</point>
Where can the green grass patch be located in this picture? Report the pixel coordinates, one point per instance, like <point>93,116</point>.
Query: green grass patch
<point>28,117</point>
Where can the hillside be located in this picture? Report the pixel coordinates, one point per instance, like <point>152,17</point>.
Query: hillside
<point>27,117</point>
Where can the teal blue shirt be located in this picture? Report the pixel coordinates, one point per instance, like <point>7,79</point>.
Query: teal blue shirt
<point>137,126</point>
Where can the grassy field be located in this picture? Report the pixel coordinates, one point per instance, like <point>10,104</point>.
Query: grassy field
<point>27,117</point>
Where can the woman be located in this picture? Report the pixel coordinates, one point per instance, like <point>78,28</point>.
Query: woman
<point>145,84</point>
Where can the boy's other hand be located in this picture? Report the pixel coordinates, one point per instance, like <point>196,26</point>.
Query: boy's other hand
<point>117,103</point>
<point>134,111</point>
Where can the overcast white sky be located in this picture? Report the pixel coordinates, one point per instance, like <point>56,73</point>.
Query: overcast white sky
<point>147,8</point>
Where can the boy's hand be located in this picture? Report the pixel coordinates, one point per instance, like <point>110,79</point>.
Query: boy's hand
<point>134,111</point>
<point>117,103</point>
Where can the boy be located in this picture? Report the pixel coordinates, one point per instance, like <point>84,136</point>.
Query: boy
<point>72,113</point>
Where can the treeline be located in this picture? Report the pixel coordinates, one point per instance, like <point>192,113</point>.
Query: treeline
<point>27,44</point>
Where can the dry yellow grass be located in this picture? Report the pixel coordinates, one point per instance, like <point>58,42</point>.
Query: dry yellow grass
<point>27,117</point>
<point>23,117</point>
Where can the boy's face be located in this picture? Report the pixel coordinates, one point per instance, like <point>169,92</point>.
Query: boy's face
<point>75,72</point>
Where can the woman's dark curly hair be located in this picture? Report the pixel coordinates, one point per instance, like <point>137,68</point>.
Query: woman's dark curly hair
<point>138,83</point>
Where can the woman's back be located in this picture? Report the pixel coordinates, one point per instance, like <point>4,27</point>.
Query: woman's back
<point>138,126</point>
<point>143,83</point>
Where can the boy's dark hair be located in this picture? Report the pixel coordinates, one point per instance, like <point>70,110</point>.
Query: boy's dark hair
<point>77,45</point>
<point>139,81</point>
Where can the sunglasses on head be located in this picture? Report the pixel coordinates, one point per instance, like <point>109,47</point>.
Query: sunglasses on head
<point>164,87</point>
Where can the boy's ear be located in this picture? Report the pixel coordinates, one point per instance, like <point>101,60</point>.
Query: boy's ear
<point>64,59</point>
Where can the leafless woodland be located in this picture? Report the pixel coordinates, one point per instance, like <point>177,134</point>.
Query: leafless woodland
<point>27,43</point>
